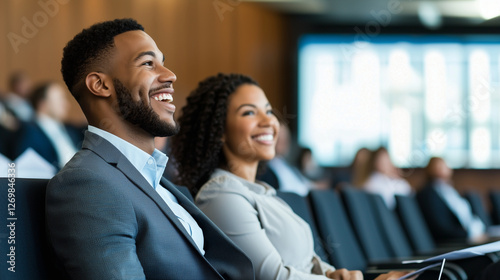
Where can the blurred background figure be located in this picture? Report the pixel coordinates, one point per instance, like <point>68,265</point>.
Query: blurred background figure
<point>382,177</point>
<point>358,168</point>
<point>47,134</point>
<point>282,175</point>
<point>448,214</point>
<point>9,126</point>
<point>17,99</point>
<point>310,168</point>
<point>353,174</point>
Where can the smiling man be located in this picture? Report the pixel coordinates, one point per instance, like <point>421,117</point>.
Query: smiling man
<point>109,213</point>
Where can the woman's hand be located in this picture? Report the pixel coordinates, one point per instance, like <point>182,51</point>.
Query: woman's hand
<point>344,274</point>
<point>394,275</point>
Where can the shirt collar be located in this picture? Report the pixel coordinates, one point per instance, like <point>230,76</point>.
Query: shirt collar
<point>47,122</point>
<point>151,167</point>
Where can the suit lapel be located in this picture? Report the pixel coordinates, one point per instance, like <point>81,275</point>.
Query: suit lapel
<point>217,245</point>
<point>114,157</point>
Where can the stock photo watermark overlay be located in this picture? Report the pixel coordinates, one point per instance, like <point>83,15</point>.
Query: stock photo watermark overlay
<point>11,218</point>
<point>32,25</point>
<point>373,28</point>
<point>223,6</point>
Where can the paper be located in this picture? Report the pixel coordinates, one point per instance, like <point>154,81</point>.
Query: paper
<point>29,165</point>
<point>419,271</point>
<point>463,254</point>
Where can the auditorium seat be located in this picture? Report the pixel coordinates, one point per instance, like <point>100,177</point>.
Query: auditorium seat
<point>495,206</point>
<point>336,231</point>
<point>185,191</point>
<point>477,205</point>
<point>300,206</point>
<point>343,247</point>
<point>414,225</point>
<point>393,232</point>
<point>33,257</point>
<point>359,209</point>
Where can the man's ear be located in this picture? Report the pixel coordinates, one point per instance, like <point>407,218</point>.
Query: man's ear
<point>98,84</point>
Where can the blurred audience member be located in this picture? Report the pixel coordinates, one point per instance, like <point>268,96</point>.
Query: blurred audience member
<point>359,167</point>
<point>17,99</point>
<point>382,177</point>
<point>9,126</point>
<point>448,214</point>
<point>7,118</point>
<point>282,175</point>
<point>47,134</point>
<point>352,174</point>
<point>310,168</point>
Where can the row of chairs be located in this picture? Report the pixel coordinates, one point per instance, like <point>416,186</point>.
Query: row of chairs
<point>355,230</point>
<point>488,217</point>
<point>352,229</point>
<point>32,257</point>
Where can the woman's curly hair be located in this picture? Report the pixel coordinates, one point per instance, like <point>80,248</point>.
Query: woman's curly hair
<point>197,148</point>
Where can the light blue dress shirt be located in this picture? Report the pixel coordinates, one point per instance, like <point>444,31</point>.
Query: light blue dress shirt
<point>152,168</point>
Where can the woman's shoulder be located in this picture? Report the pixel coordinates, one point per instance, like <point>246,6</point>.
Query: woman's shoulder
<point>222,182</point>
<point>225,183</point>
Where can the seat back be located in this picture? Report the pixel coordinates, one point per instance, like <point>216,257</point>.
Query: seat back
<point>477,206</point>
<point>391,228</point>
<point>414,225</point>
<point>336,231</point>
<point>31,254</point>
<point>495,206</point>
<point>364,223</point>
<point>185,191</point>
<point>300,206</point>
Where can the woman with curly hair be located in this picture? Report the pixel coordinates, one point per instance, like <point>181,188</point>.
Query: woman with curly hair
<point>227,128</point>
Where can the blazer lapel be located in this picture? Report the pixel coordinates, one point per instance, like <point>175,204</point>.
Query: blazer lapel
<point>114,157</point>
<point>217,245</point>
<point>185,202</point>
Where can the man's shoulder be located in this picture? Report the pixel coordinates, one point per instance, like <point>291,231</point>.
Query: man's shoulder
<point>84,167</point>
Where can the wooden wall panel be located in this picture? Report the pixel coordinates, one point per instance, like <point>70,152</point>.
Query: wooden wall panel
<point>196,41</point>
<point>261,42</point>
<point>4,44</point>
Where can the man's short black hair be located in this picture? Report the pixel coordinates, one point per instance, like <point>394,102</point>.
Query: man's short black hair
<point>91,46</point>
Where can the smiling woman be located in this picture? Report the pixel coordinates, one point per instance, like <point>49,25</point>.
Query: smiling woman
<point>250,132</point>
<point>227,128</point>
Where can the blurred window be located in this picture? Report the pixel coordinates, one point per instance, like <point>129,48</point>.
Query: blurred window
<point>419,96</point>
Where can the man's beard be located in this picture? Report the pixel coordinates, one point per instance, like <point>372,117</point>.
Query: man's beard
<point>141,114</point>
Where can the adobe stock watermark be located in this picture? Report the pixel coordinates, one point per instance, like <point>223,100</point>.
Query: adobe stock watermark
<point>11,219</point>
<point>283,115</point>
<point>454,116</point>
<point>222,6</point>
<point>373,27</point>
<point>31,26</point>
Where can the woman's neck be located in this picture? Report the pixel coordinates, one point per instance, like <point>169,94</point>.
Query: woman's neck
<point>247,171</point>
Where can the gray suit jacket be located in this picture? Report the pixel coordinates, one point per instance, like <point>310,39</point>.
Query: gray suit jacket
<point>105,221</point>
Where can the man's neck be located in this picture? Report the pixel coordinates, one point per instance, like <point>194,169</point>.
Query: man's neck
<point>132,134</point>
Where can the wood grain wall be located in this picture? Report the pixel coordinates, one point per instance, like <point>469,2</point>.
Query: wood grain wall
<point>198,37</point>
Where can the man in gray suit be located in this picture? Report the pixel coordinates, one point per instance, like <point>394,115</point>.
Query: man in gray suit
<point>109,213</point>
